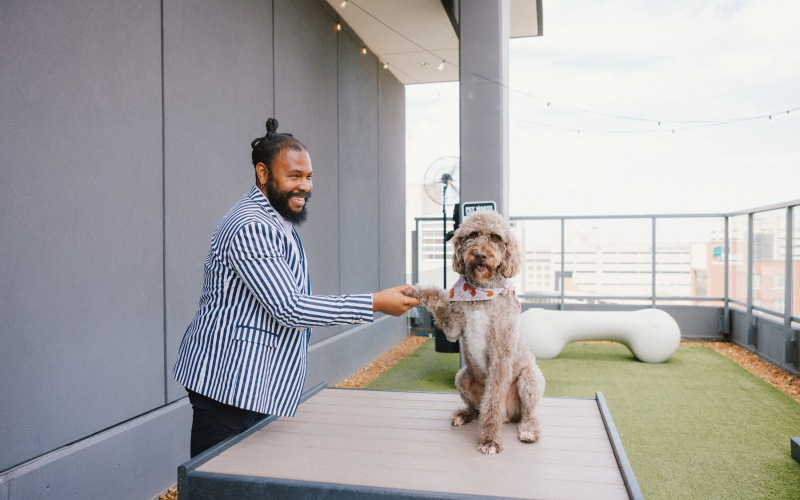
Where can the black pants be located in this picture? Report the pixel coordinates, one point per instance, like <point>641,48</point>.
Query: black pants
<point>214,422</point>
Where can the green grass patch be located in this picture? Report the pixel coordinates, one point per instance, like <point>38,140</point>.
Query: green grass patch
<point>698,426</point>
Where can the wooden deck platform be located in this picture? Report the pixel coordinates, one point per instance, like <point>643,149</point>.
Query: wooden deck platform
<point>366,444</point>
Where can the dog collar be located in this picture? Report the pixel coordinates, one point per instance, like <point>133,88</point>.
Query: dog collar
<point>464,292</point>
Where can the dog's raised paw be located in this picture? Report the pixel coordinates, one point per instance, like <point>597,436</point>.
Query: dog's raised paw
<point>490,447</point>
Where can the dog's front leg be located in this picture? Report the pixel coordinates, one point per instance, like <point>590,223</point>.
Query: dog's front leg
<point>435,300</point>
<point>493,406</point>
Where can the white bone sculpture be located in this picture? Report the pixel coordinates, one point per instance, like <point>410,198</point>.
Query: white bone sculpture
<point>652,335</point>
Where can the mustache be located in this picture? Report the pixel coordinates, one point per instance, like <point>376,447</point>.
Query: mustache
<point>300,194</point>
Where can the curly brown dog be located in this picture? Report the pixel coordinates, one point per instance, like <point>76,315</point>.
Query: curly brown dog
<point>499,381</point>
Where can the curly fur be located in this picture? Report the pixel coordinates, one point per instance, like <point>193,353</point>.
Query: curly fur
<point>499,381</point>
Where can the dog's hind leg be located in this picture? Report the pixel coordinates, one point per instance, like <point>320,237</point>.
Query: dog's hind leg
<point>530,387</point>
<point>471,392</point>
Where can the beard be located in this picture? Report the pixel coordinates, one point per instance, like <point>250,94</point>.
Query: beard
<point>280,202</point>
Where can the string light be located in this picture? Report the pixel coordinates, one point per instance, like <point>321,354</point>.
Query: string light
<point>363,51</point>
<point>385,65</point>
<point>770,120</point>
<point>547,108</point>
<point>440,67</point>
<point>344,4</point>
<point>338,26</point>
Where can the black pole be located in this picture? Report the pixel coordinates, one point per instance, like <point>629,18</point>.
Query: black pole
<point>441,342</point>
<point>444,234</point>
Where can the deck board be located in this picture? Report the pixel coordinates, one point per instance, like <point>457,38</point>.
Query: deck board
<point>404,441</point>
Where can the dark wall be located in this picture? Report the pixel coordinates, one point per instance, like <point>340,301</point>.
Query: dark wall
<point>124,137</point>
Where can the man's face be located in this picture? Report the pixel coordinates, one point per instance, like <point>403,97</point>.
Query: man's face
<point>289,184</point>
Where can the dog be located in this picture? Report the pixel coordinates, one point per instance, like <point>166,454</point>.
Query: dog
<point>500,381</point>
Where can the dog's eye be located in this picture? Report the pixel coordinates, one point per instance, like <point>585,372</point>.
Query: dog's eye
<point>495,238</point>
<point>473,235</point>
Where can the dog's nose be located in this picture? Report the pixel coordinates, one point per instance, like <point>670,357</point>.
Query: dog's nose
<point>480,256</point>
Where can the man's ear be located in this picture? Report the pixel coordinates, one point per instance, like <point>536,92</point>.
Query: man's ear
<point>262,173</point>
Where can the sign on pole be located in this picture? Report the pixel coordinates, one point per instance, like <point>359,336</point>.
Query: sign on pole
<point>473,207</point>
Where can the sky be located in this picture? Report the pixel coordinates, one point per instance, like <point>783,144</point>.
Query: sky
<point>711,72</point>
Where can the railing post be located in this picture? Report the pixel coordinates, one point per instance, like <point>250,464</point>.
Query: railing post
<point>653,273</point>
<point>726,312</point>
<point>752,332</point>
<point>790,349</point>
<point>561,287</point>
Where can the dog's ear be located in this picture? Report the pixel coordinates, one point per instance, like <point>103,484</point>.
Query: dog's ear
<point>511,264</point>
<point>459,266</point>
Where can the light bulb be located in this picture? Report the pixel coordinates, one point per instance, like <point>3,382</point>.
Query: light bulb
<point>363,51</point>
<point>440,67</point>
<point>338,26</point>
<point>344,4</point>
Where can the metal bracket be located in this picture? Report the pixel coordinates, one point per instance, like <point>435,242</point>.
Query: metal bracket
<point>724,322</point>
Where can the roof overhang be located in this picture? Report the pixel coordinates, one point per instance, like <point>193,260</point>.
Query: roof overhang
<point>414,37</point>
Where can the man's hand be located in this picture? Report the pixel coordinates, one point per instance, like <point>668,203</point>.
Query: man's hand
<point>393,301</point>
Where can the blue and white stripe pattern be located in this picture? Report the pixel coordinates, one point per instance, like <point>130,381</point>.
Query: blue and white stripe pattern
<point>248,343</point>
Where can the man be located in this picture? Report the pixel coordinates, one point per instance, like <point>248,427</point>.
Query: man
<point>244,355</point>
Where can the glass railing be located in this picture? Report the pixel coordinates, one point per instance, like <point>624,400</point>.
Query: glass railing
<point>748,259</point>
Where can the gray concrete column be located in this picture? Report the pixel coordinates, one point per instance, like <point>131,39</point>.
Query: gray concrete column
<point>484,33</point>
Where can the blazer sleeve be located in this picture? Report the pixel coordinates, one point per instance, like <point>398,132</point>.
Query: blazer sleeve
<point>259,255</point>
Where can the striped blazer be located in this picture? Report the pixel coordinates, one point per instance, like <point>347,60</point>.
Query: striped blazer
<point>247,346</point>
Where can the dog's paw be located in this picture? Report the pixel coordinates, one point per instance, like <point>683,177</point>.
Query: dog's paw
<point>529,432</point>
<point>490,447</point>
<point>428,296</point>
<point>464,416</point>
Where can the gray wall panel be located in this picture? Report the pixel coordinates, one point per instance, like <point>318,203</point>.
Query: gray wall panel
<point>218,96</point>
<point>135,460</point>
<point>696,321</point>
<point>80,214</point>
<point>392,185</point>
<point>358,168</point>
<point>306,105</point>
<point>333,360</point>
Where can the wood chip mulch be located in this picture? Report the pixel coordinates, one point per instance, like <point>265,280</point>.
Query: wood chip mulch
<point>171,494</point>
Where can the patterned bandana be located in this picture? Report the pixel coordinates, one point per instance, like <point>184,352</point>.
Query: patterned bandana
<point>463,291</point>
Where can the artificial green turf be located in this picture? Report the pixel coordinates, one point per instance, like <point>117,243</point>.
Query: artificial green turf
<point>698,426</point>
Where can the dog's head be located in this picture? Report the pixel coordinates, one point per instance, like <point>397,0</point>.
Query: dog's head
<point>484,250</point>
